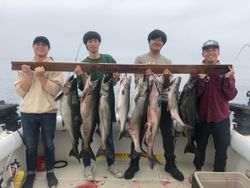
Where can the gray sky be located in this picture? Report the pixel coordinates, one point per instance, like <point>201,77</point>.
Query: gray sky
<point>124,26</point>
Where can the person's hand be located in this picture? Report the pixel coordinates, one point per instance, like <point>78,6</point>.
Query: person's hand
<point>39,71</point>
<point>26,69</point>
<point>116,74</point>
<point>78,70</point>
<point>231,71</point>
<point>167,73</point>
<point>202,76</point>
<point>149,72</point>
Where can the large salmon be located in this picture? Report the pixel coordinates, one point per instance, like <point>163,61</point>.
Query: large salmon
<point>89,114</point>
<point>104,110</point>
<point>153,120</point>
<point>138,118</point>
<point>70,112</point>
<point>123,101</point>
<point>173,98</point>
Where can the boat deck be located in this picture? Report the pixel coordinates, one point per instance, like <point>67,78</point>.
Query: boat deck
<point>72,176</point>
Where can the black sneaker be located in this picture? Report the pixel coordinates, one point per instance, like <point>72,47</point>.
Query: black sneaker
<point>29,181</point>
<point>173,170</point>
<point>52,180</point>
<point>132,169</point>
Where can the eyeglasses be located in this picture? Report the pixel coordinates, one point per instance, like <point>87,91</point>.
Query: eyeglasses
<point>41,44</point>
<point>157,40</point>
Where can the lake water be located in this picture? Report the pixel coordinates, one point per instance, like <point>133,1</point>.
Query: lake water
<point>7,80</point>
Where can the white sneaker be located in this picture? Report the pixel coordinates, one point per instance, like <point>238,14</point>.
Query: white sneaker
<point>114,171</point>
<point>88,173</point>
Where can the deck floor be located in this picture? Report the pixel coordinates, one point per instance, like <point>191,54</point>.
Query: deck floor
<point>72,176</point>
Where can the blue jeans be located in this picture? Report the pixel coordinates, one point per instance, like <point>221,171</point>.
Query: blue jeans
<point>87,161</point>
<point>31,124</point>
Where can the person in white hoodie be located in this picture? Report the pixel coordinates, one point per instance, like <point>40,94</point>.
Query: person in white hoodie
<point>37,89</point>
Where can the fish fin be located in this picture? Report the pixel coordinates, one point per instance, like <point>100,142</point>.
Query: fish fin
<point>59,96</point>
<point>145,141</point>
<point>190,148</point>
<point>83,96</point>
<point>136,98</point>
<point>87,153</point>
<point>63,124</point>
<point>75,153</point>
<point>136,154</point>
<point>153,161</point>
<point>98,132</point>
<point>105,152</point>
<point>124,134</point>
<point>117,116</point>
<point>118,120</point>
<point>149,130</point>
<point>187,126</point>
<point>80,136</point>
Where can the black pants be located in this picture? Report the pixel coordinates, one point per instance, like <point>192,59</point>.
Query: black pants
<point>221,137</point>
<point>166,126</point>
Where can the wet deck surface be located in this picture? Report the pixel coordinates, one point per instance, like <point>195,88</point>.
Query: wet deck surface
<point>72,176</point>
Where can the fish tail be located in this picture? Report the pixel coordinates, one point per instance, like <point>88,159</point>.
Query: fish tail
<point>136,154</point>
<point>75,153</point>
<point>153,161</point>
<point>98,132</point>
<point>124,133</point>
<point>104,152</point>
<point>87,153</point>
<point>190,148</point>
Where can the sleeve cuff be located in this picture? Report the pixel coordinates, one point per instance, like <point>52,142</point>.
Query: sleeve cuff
<point>19,91</point>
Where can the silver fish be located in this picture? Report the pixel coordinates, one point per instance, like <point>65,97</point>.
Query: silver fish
<point>89,112</point>
<point>173,94</point>
<point>138,118</point>
<point>104,111</point>
<point>122,108</point>
<point>70,112</point>
<point>153,120</point>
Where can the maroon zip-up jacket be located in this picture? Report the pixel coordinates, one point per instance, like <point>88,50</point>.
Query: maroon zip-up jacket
<point>214,93</point>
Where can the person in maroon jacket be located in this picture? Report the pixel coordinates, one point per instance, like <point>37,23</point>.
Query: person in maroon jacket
<point>214,91</point>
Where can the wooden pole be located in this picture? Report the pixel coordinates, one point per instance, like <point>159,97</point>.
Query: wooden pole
<point>123,68</point>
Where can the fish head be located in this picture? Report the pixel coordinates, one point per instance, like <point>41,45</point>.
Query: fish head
<point>106,84</point>
<point>143,88</point>
<point>125,80</point>
<point>154,88</point>
<point>176,82</point>
<point>125,84</point>
<point>67,87</point>
<point>174,87</point>
<point>90,86</point>
<point>93,85</point>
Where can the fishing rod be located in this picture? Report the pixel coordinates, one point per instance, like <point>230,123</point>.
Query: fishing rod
<point>77,54</point>
<point>78,51</point>
<point>237,57</point>
<point>241,50</point>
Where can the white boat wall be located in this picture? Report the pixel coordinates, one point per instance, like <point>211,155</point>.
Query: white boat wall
<point>73,174</point>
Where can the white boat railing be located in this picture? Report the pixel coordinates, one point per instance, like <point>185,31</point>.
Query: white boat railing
<point>10,142</point>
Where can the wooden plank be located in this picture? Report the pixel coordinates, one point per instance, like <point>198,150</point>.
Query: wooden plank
<point>122,68</point>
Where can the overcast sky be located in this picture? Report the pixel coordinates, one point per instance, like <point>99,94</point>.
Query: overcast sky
<point>124,26</point>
